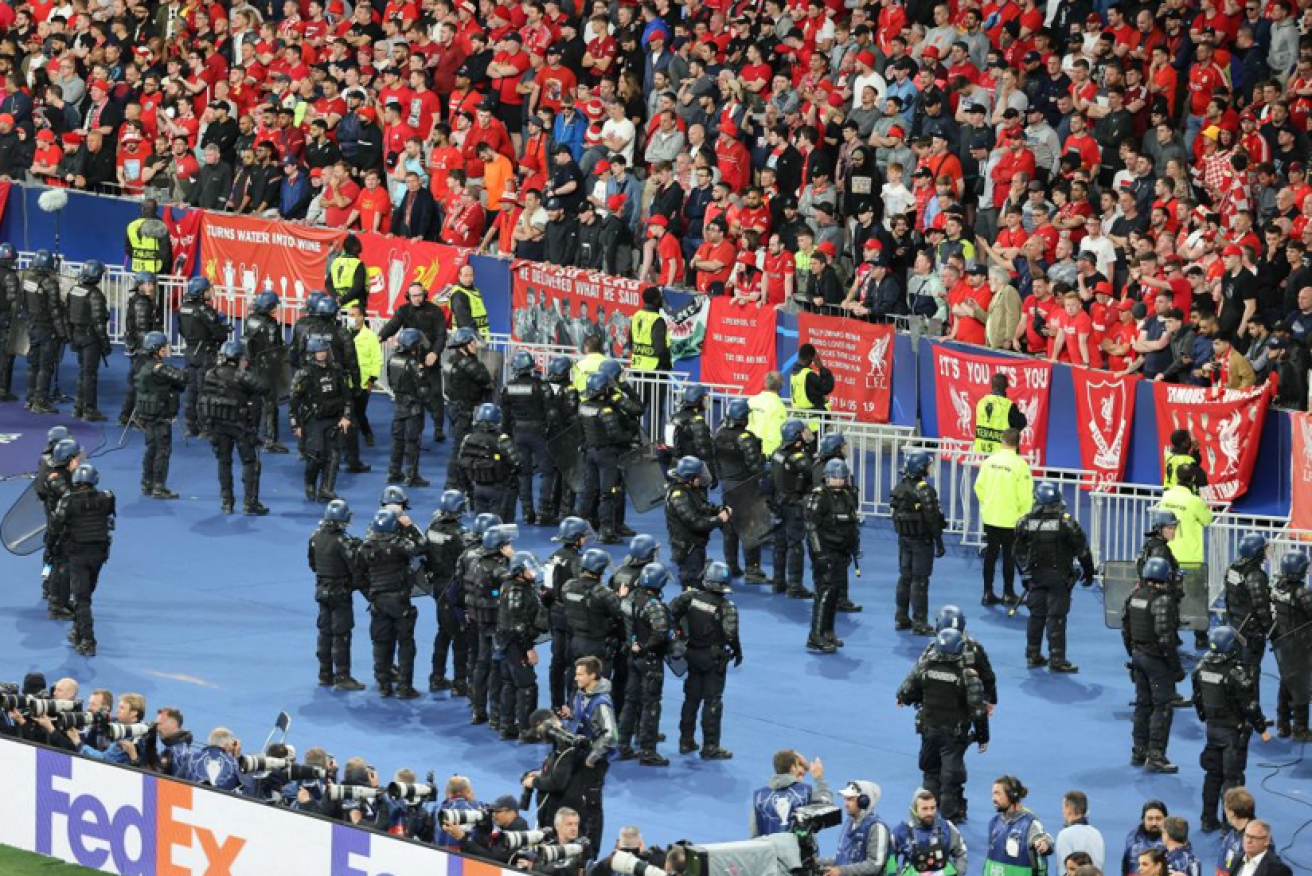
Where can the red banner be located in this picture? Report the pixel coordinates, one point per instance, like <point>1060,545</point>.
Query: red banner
<point>739,345</point>
<point>245,253</point>
<point>1300,506</point>
<point>4,196</point>
<point>962,379</point>
<point>1226,423</point>
<point>394,263</point>
<point>184,239</point>
<point>860,354</point>
<point>1104,406</point>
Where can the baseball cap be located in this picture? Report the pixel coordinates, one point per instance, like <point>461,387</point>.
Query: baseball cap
<point>1126,304</point>
<point>1103,288</point>
<point>614,202</point>
<point>828,249</point>
<point>977,270</point>
<point>979,143</point>
<point>554,204</point>
<point>1232,250</point>
<point>600,167</point>
<point>505,801</point>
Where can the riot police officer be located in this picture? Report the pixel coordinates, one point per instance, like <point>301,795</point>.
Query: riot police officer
<point>647,636</point>
<point>1048,541</point>
<point>11,300</point>
<point>605,436</point>
<point>953,713</point>
<point>483,591</point>
<point>296,354</point>
<point>332,555</point>
<point>384,561</point>
<point>1150,622</point>
<point>88,319</point>
<point>563,566</point>
<point>322,322</point>
<point>321,412</point>
<point>919,523</point>
<point>490,461</point>
<point>708,620</point>
<point>227,411</point>
<point>81,526</point>
<point>468,384</point>
<point>692,435</point>
<point>738,460</point>
<point>643,549</point>
<point>1226,697</point>
<point>1291,602</point>
<point>465,596</point>
<point>54,479</point>
<point>564,403</point>
<point>420,313</point>
<point>204,329</point>
<point>628,404</point>
<point>832,445</point>
<point>158,385</point>
<point>973,655</point>
<point>142,318</point>
<point>833,532</point>
<point>1248,598</point>
<point>405,376</point>
<point>47,330</point>
<point>592,612</point>
<point>519,620</point>
<point>445,540</point>
<point>526,405</point>
<point>790,474</point>
<point>267,350</point>
<point>691,518</point>
<point>1162,527</point>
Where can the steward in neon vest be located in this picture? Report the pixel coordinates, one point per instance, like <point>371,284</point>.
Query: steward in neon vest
<point>648,335</point>
<point>1017,844</point>
<point>467,308</point>
<point>809,383</point>
<point>995,414</point>
<point>147,252</point>
<point>346,276</point>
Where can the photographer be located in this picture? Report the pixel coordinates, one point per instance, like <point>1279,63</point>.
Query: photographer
<point>355,800</point>
<point>676,862</point>
<point>592,715</point>
<point>567,832</point>
<point>562,779</point>
<point>131,711</point>
<point>402,811</point>
<point>41,729</point>
<point>459,798</point>
<point>101,705</point>
<point>167,743</point>
<point>307,795</point>
<point>630,843</point>
<point>483,838</point>
<point>214,765</point>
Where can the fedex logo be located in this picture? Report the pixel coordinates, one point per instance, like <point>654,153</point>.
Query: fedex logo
<point>359,853</point>
<point>349,846</point>
<point>141,840</point>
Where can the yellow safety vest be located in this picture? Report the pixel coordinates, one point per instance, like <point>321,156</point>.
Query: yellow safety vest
<point>147,253</point>
<point>1004,488</point>
<point>477,310</point>
<point>343,274</point>
<point>585,368</point>
<point>1193,513</point>
<point>644,353</point>
<point>1172,465</point>
<point>797,385</point>
<point>991,420</point>
<point>767,420</point>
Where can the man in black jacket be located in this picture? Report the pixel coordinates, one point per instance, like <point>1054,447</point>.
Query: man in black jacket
<point>420,313</point>
<point>416,214</point>
<point>562,235</point>
<point>213,183</point>
<point>93,166</point>
<point>221,130</point>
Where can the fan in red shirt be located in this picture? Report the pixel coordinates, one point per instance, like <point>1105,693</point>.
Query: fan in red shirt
<point>464,221</point>
<point>734,161</point>
<point>714,259</point>
<point>1016,158</point>
<point>779,273</point>
<point>1035,314</point>
<point>339,197</point>
<point>968,303</point>
<point>669,252</point>
<point>46,158</point>
<point>373,207</point>
<point>1075,341</point>
<point>1118,343</point>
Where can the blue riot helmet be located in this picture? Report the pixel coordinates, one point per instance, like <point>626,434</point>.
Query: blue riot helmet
<point>837,469</point>
<point>55,435</point>
<point>394,495</point>
<point>522,364</point>
<point>337,512</point>
<point>792,431</point>
<point>950,618</point>
<point>1252,545</point>
<point>484,522</point>
<point>43,260</point>
<point>8,252</point>
<point>949,643</point>
<point>716,578</point>
<point>689,468</point>
<point>1156,569</point>
<point>643,548</point>
<point>571,530</point>
<point>451,503</point>
<point>65,451</point>
<point>385,521</point>
<point>522,562</point>
<point>409,339</point>
<point>325,306</point>
<point>499,536</point>
<point>1293,564</point>
<point>232,349</point>
<point>488,413</point>
<point>86,474</point>
<point>613,370</point>
<point>558,368</point>
<point>265,302</point>
<point>312,300</point>
<point>93,270</point>
<point>1162,518</point>
<point>694,395</point>
<point>917,463</point>
<point>597,385</point>
<point>1222,640</point>
<point>196,288</point>
<point>462,337</point>
<point>738,410</point>
<point>318,344</point>
<point>595,561</point>
<point>1047,494</point>
<point>832,443</point>
<point>154,342</point>
<point>654,576</point>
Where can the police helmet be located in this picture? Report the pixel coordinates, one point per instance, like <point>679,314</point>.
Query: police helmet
<point>325,306</point>
<point>654,576</point>
<point>484,522</point>
<point>950,618</point>
<point>1157,569</point>
<point>1252,545</point>
<point>394,495</point>
<point>43,260</point>
<point>451,503</point>
<point>337,512</point>
<point>86,474</point>
<point>689,467</point>
<point>918,462</point>
<point>196,288</point>
<point>1163,518</point>
<point>559,368</point>
<point>594,560</point>
<point>1047,493</point>
<point>738,410</point>
<point>1293,564</point>
<point>385,521</point>
<point>643,547</point>
<point>832,443</point>
<point>499,536</point>
<point>232,349</point>
<point>56,434</point>
<point>717,578</point>
<point>318,344</point>
<point>792,431</point>
<point>265,302</point>
<point>523,562</point>
<point>612,369</point>
<point>949,643</point>
<point>1222,640</point>
<point>409,339</point>
<point>462,337</point>
<point>8,252</point>
<point>154,342</point>
<point>597,384</point>
<point>91,272</point>
<point>694,395</point>
<point>837,469</point>
<point>313,298</point>
<point>571,530</point>
<point>522,364</point>
<point>64,451</point>
<point>488,413</point>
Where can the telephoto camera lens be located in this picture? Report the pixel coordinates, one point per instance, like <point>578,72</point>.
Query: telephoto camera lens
<point>411,793</point>
<point>552,854</point>
<point>301,772</point>
<point>75,720</point>
<point>463,817</point>
<point>518,839</point>
<point>118,732</point>
<point>256,763</point>
<point>39,707</point>
<point>338,793</point>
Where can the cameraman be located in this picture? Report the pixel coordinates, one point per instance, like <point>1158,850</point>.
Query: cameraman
<point>168,743</point>
<point>482,840</point>
<point>567,831</point>
<point>214,765</point>
<point>592,715</point>
<point>42,729</point>
<point>357,774</point>
<point>131,710</point>
<point>308,796</point>
<point>561,780</point>
<point>459,798</point>
<point>630,842</point>
<point>100,704</point>
<point>676,863</point>
<point>401,817</point>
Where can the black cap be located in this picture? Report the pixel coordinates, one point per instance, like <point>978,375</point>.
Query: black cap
<point>505,801</point>
<point>979,143</point>
<point>554,204</point>
<point>978,270</point>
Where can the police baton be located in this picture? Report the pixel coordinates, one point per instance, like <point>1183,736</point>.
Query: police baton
<point>1024,592</point>
<point>856,562</point>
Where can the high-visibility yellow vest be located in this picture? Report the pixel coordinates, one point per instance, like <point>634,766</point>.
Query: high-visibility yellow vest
<point>1187,546</point>
<point>991,420</point>
<point>1172,466</point>
<point>343,274</point>
<point>644,353</point>
<point>476,309</point>
<point>797,385</point>
<point>147,252</point>
<point>766,420</point>
<point>585,368</point>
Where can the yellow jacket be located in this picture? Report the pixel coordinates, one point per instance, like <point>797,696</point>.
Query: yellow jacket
<point>1187,546</point>
<point>369,353</point>
<point>1004,488</point>
<point>766,420</point>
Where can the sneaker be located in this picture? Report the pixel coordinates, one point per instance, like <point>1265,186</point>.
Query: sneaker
<point>346,683</point>
<point>651,758</point>
<point>715,752</point>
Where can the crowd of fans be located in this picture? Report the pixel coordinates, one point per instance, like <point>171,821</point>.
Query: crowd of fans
<point>1118,186</point>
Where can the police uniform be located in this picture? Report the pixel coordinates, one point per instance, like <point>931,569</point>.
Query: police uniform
<point>518,616</point>
<point>465,635</point>
<point>482,596</point>
<point>919,523</point>
<point>976,659</point>
<point>564,402</point>
<point>469,311</point>
<point>629,406</point>
<point>708,621</point>
<point>203,328</point>
<point>81,526</point>
<point>320,399</point>
<point>595,619</point>
<point>1150,622</point>
<point>47,332</point>
<point>489,461</point>
<point>692,437</point>
<point>1048,540</point>
<point>690,519</point>
<point>1291,603</point>
<point>227,410</point>
<point>88,318</point>
<point>11,301</point>
<point>1226,697</point>
<point>431,321</point>
<point>738,459</point>
<point>158,387</point>
<point>526,403</point>
<point>1248,606</point>
<point>647,635</point>
<point>332,556</point>
<point>833,532</point>
<point>604,438</point>
<point>384,561</point>
<point>327,326</point>
<point>405,376</point>
<point>267,351</point>
<point>52,484</point>
<point>444,542</point>
<point>468,384</point>
<point>142,317</point>
<point>790,476</point>
<point>953,713</point>
<point>563,566</point>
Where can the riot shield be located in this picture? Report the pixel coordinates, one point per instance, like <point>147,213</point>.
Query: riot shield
<point>24,526</point>
<point>494,361</point>
<point>751,515</point>
<point>643,478</point>
<point>566,451</point>
<point>1119,578</point>
<point>677,658</point>
<point>419,583</point>
<point>18,340</point>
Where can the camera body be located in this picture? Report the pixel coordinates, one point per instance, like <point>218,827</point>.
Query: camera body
<point>562,738</point>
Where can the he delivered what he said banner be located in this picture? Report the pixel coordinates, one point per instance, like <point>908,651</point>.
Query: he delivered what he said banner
<point>860,354</point>
<point>1226,424</point>
<point>962,379</point>
<point>739,345</point>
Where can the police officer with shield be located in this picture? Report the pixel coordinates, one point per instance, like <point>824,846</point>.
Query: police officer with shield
<point>832,445</point>
<point>953,713</point>
<point>323,323</point>
<point>563,566</point>
<point>790,475</point>
<point>419,313</point>
<point>1162,527</point>
<point>833,532</point>
<point>708,621</point>
<point>564,403</point>
<point>604,438</point>
<point>11,301</point>
<point>738,460</point>
<point>47,330</point>
<point>647,636</point>
<point>592,612</point>
<point>919,523</point>
<point>228,404</point>
<point>1048,542</point>
<point>526,406</point>
<point>1150,623</point>
<point>267,351</point>
<point>692,435</point>
<point>332,556</point>
<point>483,591</point>
<point>142,318</point>
<point>1226,697</point>
<point>691,518</point>
<point>464,597</point>
<point>1248,598</point>
<point>203,328</point>
<point>405,376</point>
<point>444,542</point>
<point>1291,602</point>
<point>520,617</point>
<point>54,481</point>
<point>158,386</point>
<point>321,412</point>
<point>468,384</point>
<point>81,526</point>
<point>384,562</point>
<point>88,317</point>
<point>490,461</point>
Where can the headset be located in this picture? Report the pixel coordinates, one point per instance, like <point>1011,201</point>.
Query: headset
<point>1014,790</point>
<point>862,799</point>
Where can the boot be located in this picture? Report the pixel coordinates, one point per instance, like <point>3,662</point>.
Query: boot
<point>1063,666</point>
<point>274,447</point>
<point>162,492</point>
<point>459,688</point>
<point>755,575</point>
<point>346,683</point>
<point>509,733</point>
<point>355,466</point>
<point>799,591</point>
<point>414,480</point>
<point>715,752</point>
<point>627,752</point>
<point>437,684</point>
<point>651,758</point>
<point>1283,730</point>
<point>1034,661</point>
<point>395,477</point>
<point>1209,824</point>
<point>1157,763</point>
<point>687,746</point>
<point>625,531</point>
<point>407,692</point>
<point>253,508</point>
<point>1138,756</point>
<point>94,416</point>
<point>1301,733</point>
<point>608,536</point>
<point>86,647</point>
<point>990,599</point>
<point>385,688</point>
<point>325,674</point>
<point>848,606</point>
<point>226,505</point>
<point>920,628</point>
<point>478,718</point>
<point>58,612</point>
<point>329,481</point>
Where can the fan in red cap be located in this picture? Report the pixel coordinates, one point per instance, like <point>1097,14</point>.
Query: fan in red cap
<point>669,252</point>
